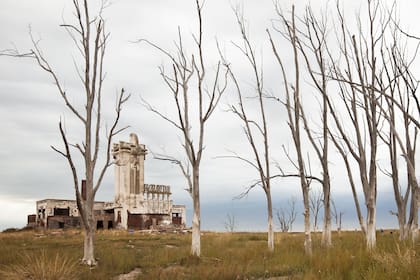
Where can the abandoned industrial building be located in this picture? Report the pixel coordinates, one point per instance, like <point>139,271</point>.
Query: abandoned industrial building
<point>136,205</point>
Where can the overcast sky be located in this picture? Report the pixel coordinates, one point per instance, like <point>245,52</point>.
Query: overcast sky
<point>30,107</point>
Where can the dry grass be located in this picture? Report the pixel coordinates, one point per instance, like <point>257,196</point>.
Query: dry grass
<point>224,256</point>
<point>41,266</point>
<point>400,263</point>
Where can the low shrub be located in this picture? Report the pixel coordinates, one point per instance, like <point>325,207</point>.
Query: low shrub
<point>41,266</point>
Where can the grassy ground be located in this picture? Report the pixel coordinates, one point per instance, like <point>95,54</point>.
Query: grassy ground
<point>224,256</point>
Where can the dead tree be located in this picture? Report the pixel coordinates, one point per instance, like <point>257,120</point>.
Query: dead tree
<point>287,217</point>
<point>254,129</point>
<point>311,42</point>
<point>395,85</point>
<point>90,38</point>
<point>360,67</point>
<point>338,216</point>
<point>345,156</point>
<point>230,222</point>
<point>312,45</point>
<point>294,109</point>
<point>390,139</point>
<point>315,205</point>
<point>186,93</point>
<point>398,85</point>
<point>382,75</point>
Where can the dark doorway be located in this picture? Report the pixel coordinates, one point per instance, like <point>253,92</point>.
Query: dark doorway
<point>61,211</point>
<point>176,219</point>
<point>60,224</point>
<point>135,221</point>
<point>99,224</point>
<point>110,225</point>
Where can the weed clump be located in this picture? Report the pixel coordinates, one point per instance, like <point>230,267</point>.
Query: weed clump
<point>41,266</point>
<point>394,263</point>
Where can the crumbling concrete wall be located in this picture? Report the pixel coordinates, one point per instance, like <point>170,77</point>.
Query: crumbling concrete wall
<point>179,215</point>
<point>147,221</point>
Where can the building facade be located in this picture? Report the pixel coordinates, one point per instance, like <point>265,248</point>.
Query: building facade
<point>136,205</point>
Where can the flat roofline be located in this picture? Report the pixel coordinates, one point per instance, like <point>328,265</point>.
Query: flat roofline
<point>66,200</point>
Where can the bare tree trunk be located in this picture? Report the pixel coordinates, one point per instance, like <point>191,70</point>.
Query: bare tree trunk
<point>259,126</point>
<point>401,199</point>
<point>371,224</point>
<point>414,216</point>
<point>326,232</point>
<point>357,91</point>
<point>89,251</point>
<point>413,183</point>
<point>287,217</point>
<point>315,206</point>
<point>89,228</point>
<point>397,86</point>
<point>403,229</point>
<point>184,67</point>
<point>337,216</point>
<point>294,111</point>
<point>340,223</point>
<point>313,48</point>
<point>352,185</point>
<point>196,230</point>
<point>270,232</point>
<point>90,38</point>
<point>307,223</point>
<point>230,223</point>
<point>408,151</point>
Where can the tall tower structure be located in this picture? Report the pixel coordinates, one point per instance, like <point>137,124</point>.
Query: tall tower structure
<point>129,169</point>
<point>136,204</point>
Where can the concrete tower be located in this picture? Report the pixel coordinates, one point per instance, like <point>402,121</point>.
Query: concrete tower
<point>129,176</point>
<point>129,169</point>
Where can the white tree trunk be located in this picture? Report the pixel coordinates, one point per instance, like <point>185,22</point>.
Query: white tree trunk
<point>307,222</point>
<point>89,256</point>
<point>414,230</point>
<point>89,228</point>
<point>371,226</point>
<point>196,231</point>
<point>403,230</point>
<point>270,233</point>
<point>326,233</point>
<point>196,241</point>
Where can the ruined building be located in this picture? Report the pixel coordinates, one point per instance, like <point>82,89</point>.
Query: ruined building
<point>136,205</point>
